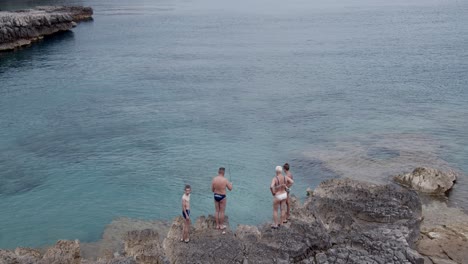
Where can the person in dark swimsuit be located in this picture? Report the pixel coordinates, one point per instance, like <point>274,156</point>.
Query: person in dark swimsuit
<point>219,197</point>
<point>186,214</point>
<point>218,187</point>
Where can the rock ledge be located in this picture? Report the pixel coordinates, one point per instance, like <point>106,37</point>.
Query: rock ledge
<point>22,27</point>
<point>343,221</point>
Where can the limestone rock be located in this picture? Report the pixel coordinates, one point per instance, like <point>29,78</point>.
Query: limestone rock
<point>367,223</point>
<point>22,27</point>
<point>78,13</point>
<point>428,180</point>
<point>246,232</point>
<point>209,222</point>
<point>144,246</point>
<point>450,244</point>
<point>28,255</point>
<point>207,244</point>
<point>344,221</point>
<point>116,260</point>
<point>8,257</point>
<point>64,252</point>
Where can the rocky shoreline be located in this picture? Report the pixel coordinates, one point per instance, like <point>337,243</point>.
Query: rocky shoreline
<point>342,221</point>
<point>20,28</point>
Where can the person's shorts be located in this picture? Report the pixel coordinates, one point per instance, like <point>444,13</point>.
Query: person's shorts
<point>186,214</point>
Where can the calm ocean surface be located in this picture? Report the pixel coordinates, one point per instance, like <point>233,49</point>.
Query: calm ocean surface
<point>112,119</point>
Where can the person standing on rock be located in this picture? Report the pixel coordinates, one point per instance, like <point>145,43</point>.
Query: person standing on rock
<point>218,187</point>
<point>289,175</point>
<point>186,214</point>
<point>278,187</point>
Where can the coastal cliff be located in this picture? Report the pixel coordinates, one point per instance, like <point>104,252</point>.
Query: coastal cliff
<point>22,27</point>
<point>342,221</point>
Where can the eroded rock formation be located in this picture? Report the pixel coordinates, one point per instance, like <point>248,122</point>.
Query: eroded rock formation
<point>342,221</point>
<point>428,180</point>
<point>22,27</point>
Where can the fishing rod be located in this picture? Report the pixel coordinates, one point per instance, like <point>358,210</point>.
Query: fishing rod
<point>229,171</point>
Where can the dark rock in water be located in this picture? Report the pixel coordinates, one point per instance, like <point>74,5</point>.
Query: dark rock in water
<point>382,153</point>
<point>428,180</point>
<point>22,27</point>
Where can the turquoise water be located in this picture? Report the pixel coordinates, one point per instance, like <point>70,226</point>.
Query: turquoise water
<point>113,118</point>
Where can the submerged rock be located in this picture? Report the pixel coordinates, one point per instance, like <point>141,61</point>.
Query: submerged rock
<point>428,180</point>
<point>444,234</point>
<point>20,28</point>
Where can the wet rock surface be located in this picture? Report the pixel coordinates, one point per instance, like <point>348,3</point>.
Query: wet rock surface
<point>342,221</point>
<point>20,28</point>
<point>444,234</point>
<point>428,180</point>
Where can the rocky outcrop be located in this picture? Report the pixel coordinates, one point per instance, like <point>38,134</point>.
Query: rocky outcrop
<point>366,223</point>
<point>78,13</point>
<point>144,246</point>
<point>25,26</point>
<point>342,221</point>
<point>428,180</point>
<point>64,252</point>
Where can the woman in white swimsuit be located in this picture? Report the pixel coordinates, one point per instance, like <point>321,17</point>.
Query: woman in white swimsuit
<point>278,190</point>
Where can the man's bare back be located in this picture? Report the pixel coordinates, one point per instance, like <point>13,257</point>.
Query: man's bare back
<point>220,184</point>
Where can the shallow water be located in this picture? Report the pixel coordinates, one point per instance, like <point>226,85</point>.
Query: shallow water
<point>112,119</point>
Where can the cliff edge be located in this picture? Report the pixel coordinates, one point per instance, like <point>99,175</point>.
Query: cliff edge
<point>342,221</point>
<point>22,27</point>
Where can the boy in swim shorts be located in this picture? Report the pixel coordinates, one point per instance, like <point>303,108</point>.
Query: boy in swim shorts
<point>186,213</point>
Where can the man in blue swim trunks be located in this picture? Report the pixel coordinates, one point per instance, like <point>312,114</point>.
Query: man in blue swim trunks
<point>218,186</point>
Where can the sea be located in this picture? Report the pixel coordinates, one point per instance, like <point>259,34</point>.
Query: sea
<point>114,117</point>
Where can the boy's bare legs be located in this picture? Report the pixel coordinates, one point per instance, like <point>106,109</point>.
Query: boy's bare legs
<point>287,208</point>
<point>186,229</point>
